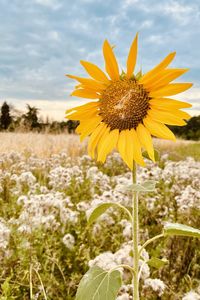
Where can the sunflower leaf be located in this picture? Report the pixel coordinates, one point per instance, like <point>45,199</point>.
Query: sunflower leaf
<point>99,284</point>
<point>148,186</point>
<point>171,229</point>
<point>156,155</point>
<point>98,211</point>
<point>157,262</point>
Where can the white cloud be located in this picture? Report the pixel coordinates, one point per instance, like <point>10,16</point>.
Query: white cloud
<point>53,4</point>
<point>181,12</point>
<point>156,39</point>
<point>54,35</point>
<point>128,3</point>
<point>146,24</point>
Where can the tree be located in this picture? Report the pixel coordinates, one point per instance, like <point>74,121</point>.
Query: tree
<point>31,118</point>
<point>72,126</point>
<point>191,131</point>
<point>5,118</point>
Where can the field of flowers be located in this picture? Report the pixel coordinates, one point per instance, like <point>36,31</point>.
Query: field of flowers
<point>46,244</point>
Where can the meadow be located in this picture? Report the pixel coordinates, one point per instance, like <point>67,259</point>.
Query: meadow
<point>48,186</point>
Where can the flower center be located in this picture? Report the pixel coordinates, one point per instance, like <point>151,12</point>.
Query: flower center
<point>124,104</point>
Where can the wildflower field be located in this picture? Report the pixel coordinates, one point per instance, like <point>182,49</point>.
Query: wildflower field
<point>49,185</point>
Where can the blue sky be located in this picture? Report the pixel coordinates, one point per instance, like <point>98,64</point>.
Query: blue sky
<point>42,40</point>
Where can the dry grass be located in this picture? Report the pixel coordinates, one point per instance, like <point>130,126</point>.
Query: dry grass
<point>44,145</point>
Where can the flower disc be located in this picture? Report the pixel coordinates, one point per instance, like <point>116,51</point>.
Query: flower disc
<point>124,104</point>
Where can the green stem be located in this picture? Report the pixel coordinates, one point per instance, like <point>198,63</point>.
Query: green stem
<point>150,241</point>
<point>30,281</point>
<point>125,210</point>
<point>40,279</point>
<point>135,238</point>
<point>125,267</point>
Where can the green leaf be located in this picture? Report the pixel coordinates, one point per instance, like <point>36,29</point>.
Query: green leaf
<point>156,155</point>
<point>123,74</point>
<point>181,230</point>
<point>156,262</point>
<point>6,289</point>
<point>148,186</point>
<point>98,211</point>
<point>98,284</point>
<point>138,75</point>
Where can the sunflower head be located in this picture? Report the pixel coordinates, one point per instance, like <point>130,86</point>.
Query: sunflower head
<point>128,109</point>
<point>124,104</point>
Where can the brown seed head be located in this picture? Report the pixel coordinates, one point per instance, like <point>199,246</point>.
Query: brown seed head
<point>124,104</point>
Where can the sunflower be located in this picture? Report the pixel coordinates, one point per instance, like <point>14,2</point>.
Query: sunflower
<point>127,108</point>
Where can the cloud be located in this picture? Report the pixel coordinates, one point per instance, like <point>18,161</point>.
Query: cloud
<point>53,4</point>
<point>182,13</point>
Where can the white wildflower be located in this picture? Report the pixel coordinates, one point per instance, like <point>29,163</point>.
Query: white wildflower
<point>192,295</point>
<point>157,285</point>
<point>123,297</point>
<point>106,261</point>
<point>69,241</point>
<point>4,235</point>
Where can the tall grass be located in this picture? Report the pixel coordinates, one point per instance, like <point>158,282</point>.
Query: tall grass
<point>44,145</point>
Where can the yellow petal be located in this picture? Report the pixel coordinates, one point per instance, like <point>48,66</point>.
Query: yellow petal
<point>106,144</point>
<point>106,131</point>
<point>181,114</point>
<point>95,137</point>
<point>165,79</point>
<point>133,149</point>
<point>171,113</point>
<point>89,83</point>
<point>122,145</point>
<point>110,61</point>
<point>158,129</point>
<point>168,103</point>
<point>158,68</point>
<point>95,71</point>
<point>85,107</point>
<point>85,93</point>
<point>78,86</point>
<point>152,79</point>
<point>86,128</point>
<point>171,89</point>
<point>132,57</point>
<point>145,140</point>
<point>129,148</point>
<point>165,117</point>
<point>80,115</point>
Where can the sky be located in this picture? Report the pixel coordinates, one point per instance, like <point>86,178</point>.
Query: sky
<point>42,40</point>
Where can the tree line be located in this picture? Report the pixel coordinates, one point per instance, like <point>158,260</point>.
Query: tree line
<point>12,120</point>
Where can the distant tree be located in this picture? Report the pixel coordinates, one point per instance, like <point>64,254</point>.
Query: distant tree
<point>5,118</point>
<point>54,127</point>
<point>31,118</point>
<point>191,131</point>
<point>71,125</point>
